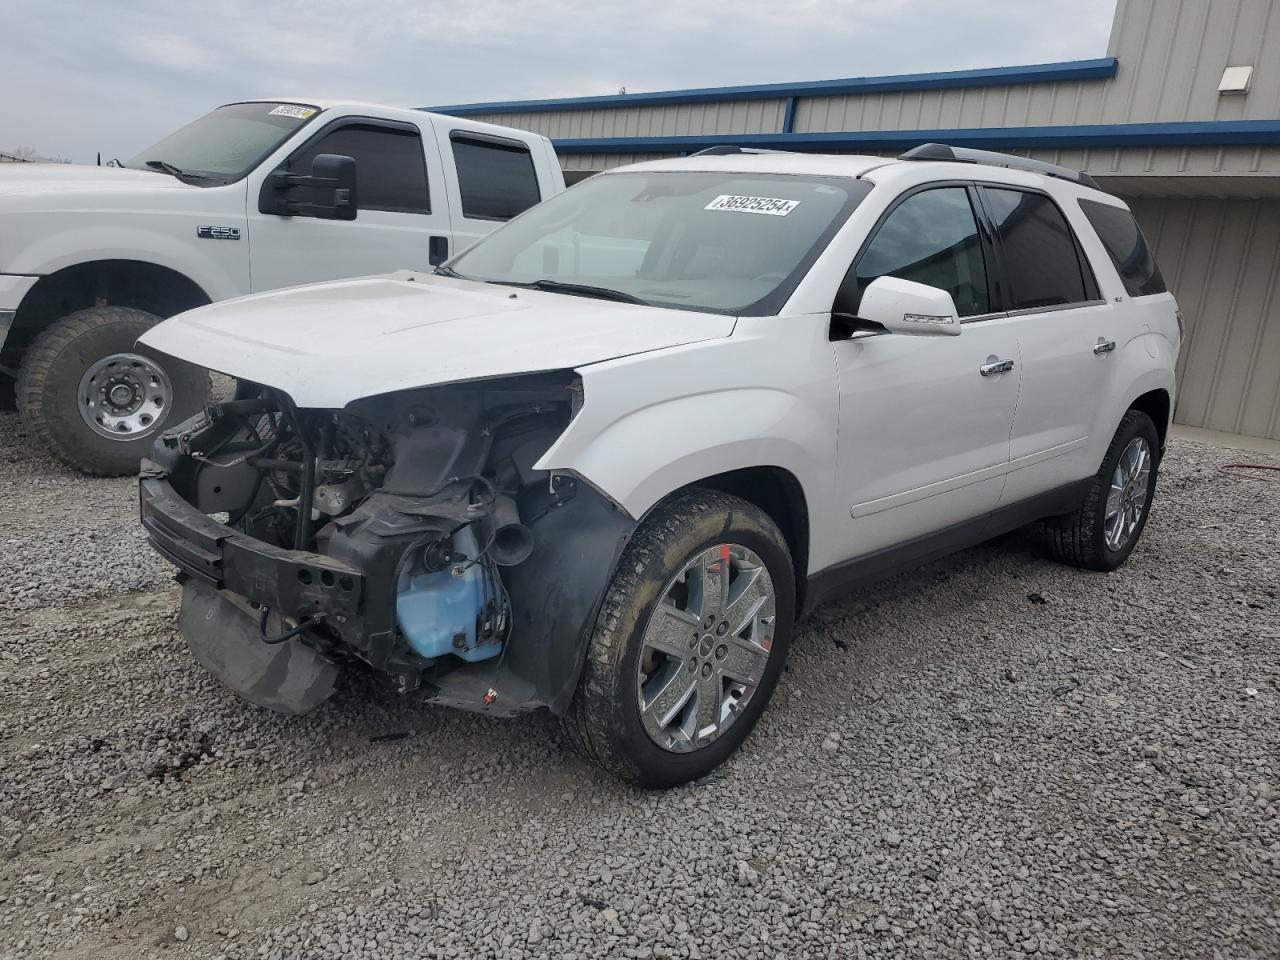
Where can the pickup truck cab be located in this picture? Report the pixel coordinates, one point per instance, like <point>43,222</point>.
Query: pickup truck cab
<point>251,197</point>
<point>601,461</point>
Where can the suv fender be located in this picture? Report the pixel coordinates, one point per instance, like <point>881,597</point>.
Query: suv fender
<point>637,440</point>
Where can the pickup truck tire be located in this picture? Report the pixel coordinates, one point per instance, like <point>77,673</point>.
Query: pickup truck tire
<point>677,552</point>
<point>1103,532</point>
<point>53,376</point>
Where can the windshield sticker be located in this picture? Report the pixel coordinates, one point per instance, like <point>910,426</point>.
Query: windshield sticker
<point>293,110</point>
<point>766,205</point>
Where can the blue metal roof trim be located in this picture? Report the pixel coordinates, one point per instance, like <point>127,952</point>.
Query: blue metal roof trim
<point>1100,69</point>
<point>1191,133</point>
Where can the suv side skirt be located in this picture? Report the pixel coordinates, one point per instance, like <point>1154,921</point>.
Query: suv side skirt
<point>885,563</point>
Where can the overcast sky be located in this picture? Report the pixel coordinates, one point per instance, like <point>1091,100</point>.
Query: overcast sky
<point>86,75</point>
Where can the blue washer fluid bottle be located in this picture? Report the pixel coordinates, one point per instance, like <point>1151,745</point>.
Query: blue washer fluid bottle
<point>434,608</point>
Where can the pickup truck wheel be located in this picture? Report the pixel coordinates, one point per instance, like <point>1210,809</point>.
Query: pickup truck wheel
<point>96,398</point>
<point>690,641</point>
<point>1104,531</point>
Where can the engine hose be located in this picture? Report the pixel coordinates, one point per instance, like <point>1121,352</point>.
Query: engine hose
<point>263,613</point>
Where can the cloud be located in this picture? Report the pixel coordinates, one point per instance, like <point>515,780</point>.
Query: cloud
<point>81,77</point>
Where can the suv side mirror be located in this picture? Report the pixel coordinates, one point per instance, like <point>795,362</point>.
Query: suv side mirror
<point>907,307</point>
<point>332,179</point>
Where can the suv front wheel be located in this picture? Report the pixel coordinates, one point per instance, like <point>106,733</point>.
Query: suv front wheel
<point>690,641</point>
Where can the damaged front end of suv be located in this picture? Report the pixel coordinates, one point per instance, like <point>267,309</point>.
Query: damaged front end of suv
<point>412,532</point>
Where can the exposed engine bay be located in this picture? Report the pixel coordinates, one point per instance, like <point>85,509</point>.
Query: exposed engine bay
<point>408,531</point>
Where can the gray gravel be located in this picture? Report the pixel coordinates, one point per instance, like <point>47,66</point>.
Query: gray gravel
<point>950,768</point>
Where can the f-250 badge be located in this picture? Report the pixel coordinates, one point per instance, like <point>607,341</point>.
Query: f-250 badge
<point>218,233</point>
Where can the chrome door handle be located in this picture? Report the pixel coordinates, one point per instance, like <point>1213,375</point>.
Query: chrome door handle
<point>994,367</point>
<point>1103,346</point>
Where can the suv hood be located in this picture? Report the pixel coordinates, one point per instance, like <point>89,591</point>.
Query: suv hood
<point>39,179</point>
<point>331,343</point>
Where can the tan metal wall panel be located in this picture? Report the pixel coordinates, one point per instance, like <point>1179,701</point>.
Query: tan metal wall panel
<point>595,162</point>
<point>1222,260</point>
<point>736,116</point>
<point>1171,53</point>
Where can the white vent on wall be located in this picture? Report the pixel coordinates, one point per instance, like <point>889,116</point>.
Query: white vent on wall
<point>1235,80</point>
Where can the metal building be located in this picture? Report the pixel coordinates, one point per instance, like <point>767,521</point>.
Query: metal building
<point>1181,118</point>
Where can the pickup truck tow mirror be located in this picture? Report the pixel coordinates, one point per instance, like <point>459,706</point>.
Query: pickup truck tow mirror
<point>332,179</point>
<point>906,307</point>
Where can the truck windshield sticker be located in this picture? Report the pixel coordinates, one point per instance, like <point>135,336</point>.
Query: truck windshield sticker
<point>766,205</point>
<point>293,110</point>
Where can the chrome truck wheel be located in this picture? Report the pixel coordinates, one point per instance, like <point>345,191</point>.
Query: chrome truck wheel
<point>124,396</point>
<point>95,399</point>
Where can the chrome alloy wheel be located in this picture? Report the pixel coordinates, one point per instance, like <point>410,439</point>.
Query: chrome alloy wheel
<point>124,396</point>
<point>705,648</point>
<point>1127,497</point>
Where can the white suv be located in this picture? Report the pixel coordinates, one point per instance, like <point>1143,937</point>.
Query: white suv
<point>603,460</point>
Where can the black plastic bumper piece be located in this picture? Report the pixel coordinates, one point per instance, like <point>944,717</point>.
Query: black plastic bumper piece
<point>293,583</point>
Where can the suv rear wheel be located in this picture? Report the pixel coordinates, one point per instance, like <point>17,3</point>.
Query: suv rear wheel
<point>1104,531</point>
<point>95,398</point>
<point>689,643</point>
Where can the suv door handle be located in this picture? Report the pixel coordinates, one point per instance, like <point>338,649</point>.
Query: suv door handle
<point>994,367</point>
<point>437,250</point>
<point>1103,346</point>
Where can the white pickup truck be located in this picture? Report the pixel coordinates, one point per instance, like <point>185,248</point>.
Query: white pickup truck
<point>251,197</point>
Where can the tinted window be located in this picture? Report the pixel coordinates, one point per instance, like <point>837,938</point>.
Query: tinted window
<point>497,181</point>
<point>1039,252</point>
<point>932,238</point>
<point>391,172</point>
<point>1126,246</point>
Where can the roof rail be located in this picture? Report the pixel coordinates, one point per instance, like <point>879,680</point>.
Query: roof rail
<point>729,149</point>
<point>942,151</point>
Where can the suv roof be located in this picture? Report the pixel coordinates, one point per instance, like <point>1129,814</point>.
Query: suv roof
<point>995,166</point>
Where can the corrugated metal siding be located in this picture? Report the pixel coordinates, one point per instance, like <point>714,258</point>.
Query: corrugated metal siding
<point>595,162</point>
<point>740,116</point>
<point>1222,260</point>
<point>1171,53</point>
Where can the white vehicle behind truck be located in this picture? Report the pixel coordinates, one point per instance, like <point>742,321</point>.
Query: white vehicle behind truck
<point>251,197</point>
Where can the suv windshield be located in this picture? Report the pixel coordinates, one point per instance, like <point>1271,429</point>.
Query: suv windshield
<point>719,242</point>
<point>224,145</point>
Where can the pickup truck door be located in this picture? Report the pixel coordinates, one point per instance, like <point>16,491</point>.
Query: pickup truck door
<point>402,211</point>
<point>1066,335</point>
<point>490,178</point>
<point>924,420</point>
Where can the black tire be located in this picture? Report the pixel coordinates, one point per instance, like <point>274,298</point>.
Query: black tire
<point>604,721</point>
<point>49,384</point>
<point>1079,538</point>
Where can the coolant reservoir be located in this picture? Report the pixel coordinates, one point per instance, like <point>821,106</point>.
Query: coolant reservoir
<point>437,612</point>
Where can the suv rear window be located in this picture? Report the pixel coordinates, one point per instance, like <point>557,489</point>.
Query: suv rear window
<point>497,180</point>
<point>1042,262</point>
<point>1127,247</point>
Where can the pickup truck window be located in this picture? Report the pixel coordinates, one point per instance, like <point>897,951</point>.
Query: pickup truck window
<point>931,237</point>
<point>223,146</point>
<point>391,171</point>
<point>497,180</point>
<point>708,241</point>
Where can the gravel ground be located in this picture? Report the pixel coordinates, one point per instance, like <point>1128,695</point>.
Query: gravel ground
<point>991,756</point>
